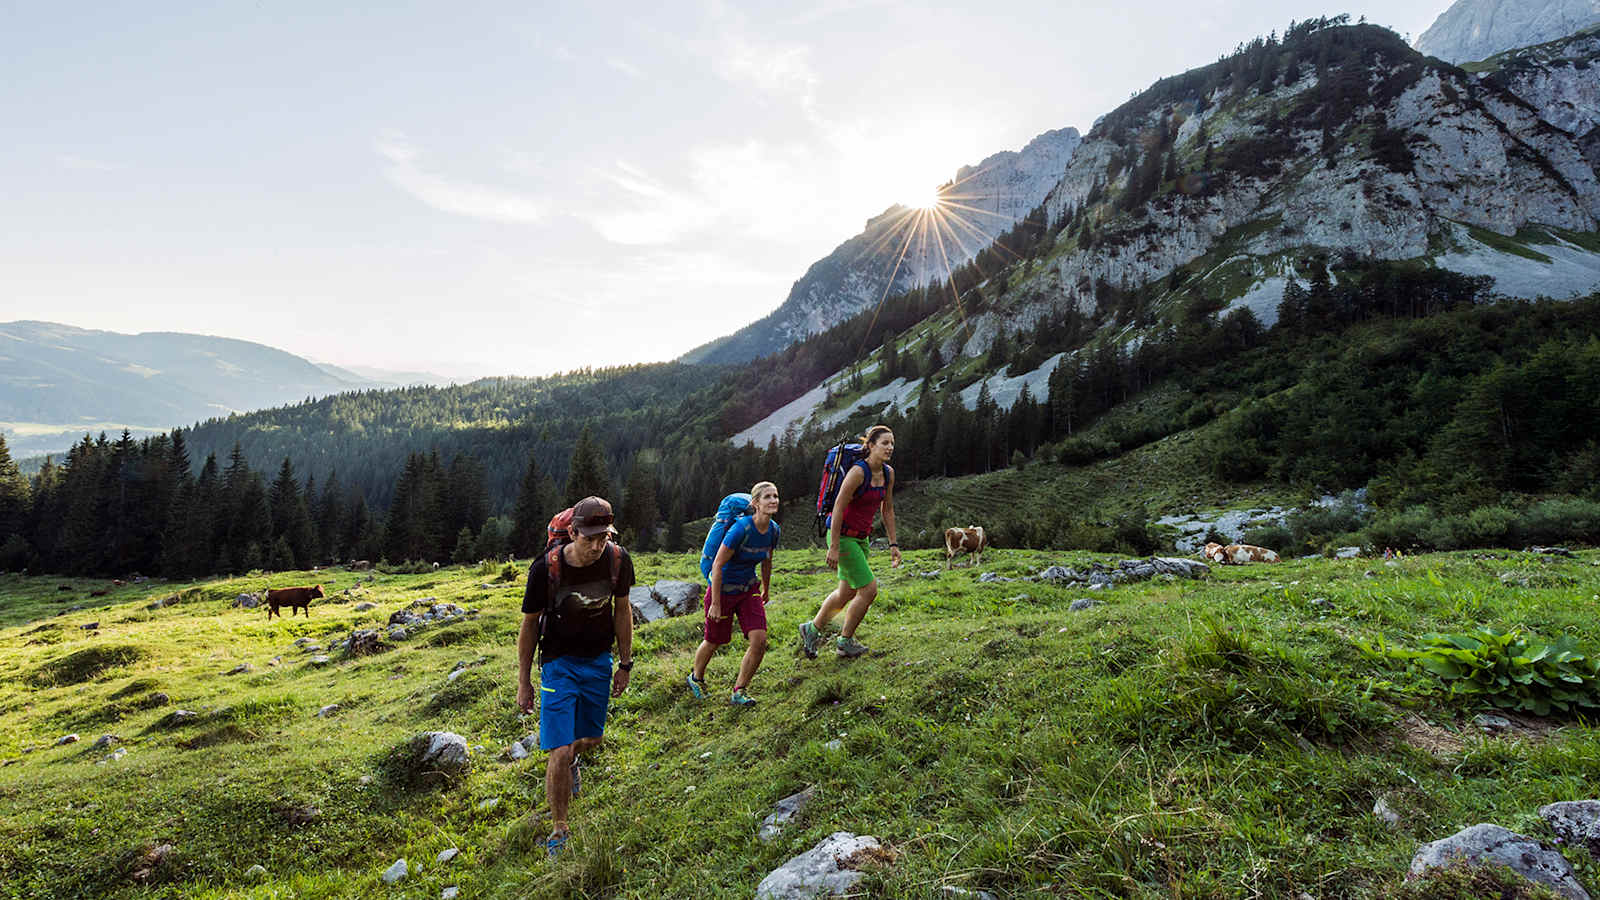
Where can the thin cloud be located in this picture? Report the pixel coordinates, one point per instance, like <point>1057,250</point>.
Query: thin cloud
<point>625,67</point>
<point>462,198</point>
<point>74,163</point>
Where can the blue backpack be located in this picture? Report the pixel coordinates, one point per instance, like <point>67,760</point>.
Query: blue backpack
<point>728,511</point>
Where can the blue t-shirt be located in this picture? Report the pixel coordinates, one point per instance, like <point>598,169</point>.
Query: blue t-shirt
<point>750,549</point>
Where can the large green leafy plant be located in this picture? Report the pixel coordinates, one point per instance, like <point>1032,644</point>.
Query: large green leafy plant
<point>1511,669</point>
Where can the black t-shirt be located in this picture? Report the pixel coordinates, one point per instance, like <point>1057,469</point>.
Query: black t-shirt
<point>578,620</point>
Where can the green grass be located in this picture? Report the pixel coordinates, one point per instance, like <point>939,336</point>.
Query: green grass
<point>1517,245</point>
<point>1220,738</point>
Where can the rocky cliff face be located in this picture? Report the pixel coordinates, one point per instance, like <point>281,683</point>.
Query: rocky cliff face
<point>1475,151</point>
<point>1558,80</point>
<point>999,191</point>
<point>1478,29</point>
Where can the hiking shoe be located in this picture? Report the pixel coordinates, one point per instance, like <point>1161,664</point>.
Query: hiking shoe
<point>554,843</point>
<point>577,776</point>
<point>809,638</point>
<point>697,687</point>
<point>741,699</point>
<point>849,647</point>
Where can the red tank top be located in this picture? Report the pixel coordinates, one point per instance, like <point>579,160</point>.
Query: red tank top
<point>864,506</point>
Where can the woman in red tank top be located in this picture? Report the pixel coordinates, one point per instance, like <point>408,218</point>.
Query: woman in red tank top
<point>868,486</point>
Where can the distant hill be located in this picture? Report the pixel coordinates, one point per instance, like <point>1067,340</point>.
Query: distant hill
<point>388,378</point>
<point>58,381</point>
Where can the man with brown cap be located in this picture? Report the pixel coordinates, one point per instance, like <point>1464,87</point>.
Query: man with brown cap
<point>575,607</point>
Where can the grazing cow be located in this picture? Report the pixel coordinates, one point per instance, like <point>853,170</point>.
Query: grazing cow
<point>964,540</point>
<point>100,593</point>
<point>294,598</point>
<point>1239,554</point>
<point>360,565</point>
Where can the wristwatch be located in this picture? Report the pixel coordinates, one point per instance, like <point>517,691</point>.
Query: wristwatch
<point>625,666</point>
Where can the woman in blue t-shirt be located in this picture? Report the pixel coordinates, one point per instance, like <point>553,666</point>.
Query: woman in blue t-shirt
<point>737,591</point>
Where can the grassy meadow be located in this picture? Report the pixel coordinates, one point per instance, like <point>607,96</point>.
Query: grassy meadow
<point>1217,738</point>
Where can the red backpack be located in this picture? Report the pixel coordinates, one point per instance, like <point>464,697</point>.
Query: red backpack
<point>556,531</point>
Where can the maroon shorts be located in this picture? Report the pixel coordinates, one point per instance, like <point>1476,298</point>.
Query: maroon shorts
<point>747,606</point>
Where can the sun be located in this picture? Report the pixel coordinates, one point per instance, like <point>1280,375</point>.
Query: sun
<point>927,199</point>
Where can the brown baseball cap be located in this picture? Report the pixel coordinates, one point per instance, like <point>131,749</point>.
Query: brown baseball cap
<point>592,515</point>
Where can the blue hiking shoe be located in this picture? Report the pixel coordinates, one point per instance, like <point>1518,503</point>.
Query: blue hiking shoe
<point>554,843</point>
<point>810,637</point>
<point>741,699</point>
<point>697,687</point>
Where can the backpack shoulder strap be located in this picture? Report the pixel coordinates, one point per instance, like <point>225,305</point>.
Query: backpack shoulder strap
<point>552,563</point>
<point>616,566</point>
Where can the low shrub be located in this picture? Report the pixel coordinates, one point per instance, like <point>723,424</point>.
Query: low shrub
<point>1511,669</point>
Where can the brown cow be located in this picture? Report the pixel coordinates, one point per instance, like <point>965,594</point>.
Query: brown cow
<point>1239,554</point>
<point>964,540</point>
<point>294,598</point>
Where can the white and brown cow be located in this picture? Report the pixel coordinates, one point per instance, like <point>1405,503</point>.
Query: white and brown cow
<point>1238,554</point>
<point>964,540</point>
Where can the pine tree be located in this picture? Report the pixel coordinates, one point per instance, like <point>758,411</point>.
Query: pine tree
<point>586,473</point>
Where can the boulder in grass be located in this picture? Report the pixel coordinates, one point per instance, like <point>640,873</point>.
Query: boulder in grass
<point>832,867</point>
<point>1486,844</point>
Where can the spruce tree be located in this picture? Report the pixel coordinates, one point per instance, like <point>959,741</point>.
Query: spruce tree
<point>532,512</point>
<point>13,495</point>
<point>466,547</point>
<point>586,473</point>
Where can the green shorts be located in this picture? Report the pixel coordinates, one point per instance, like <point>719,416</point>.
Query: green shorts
<point>853,568</point>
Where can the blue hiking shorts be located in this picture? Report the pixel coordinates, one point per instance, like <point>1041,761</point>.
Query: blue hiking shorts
<point>574,694</point>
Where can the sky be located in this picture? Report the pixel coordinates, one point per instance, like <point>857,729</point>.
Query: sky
<point>521,188</point>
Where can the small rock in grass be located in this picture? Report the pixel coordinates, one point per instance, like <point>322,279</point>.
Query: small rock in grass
<point>363,607</point>
<point>397,633</point>
<point>449,893</point>
<point>240,669</point>
<point>327,711</point>
<point>364,780</point>
<point>446,855</point>
<point>787,809</point>
<point>1491,724</point>
<point>516,751</point>
<point>104,741</point>
<point>1385,813</point>
<point>318,660</point>
<point>1083,603</point>
<point>454,675</point>
<point>256,871</point>
<point>395,872</point>
<point>66,739</point>
<point>834,744</point>
<point>951,890</point>
<point>489,804</point>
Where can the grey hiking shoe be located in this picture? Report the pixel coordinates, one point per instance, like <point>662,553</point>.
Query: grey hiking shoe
<point>849,647</point>
<point>810,637</point>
